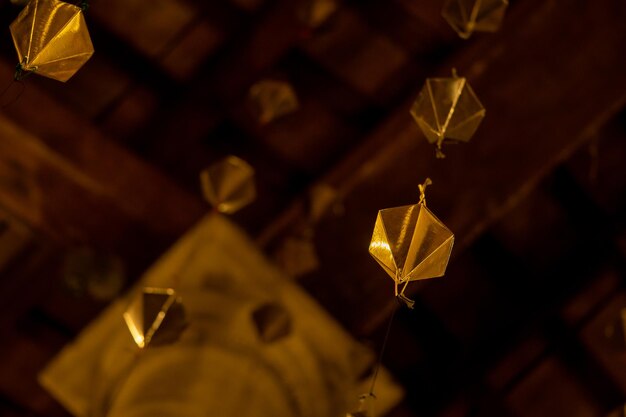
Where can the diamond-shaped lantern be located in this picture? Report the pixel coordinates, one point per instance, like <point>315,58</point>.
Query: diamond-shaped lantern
<point>272,99</point>
<point>228,185</point>
<point>467,16</point>
<point>155,316</point>
<point>410,243</point>
<point>447,110</point>
<point>51,39</point>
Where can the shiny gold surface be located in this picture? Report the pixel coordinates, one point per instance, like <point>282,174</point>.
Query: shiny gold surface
<point>229,184</point>
<point>467,16</point>
<point>410,243</point>
<point>447,109</point>
<point>155,317</point>
<point>51,39</point>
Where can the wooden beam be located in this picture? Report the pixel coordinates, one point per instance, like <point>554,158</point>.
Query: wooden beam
<point>78,185</point>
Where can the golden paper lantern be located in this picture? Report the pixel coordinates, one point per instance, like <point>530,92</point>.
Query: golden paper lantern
<point>272,99</point>
<point>228,185</point>
<point>51,39</point>
<point>155,317</point>
<point>467,16</point>
<point>410,243</point>
<point>447,110</point>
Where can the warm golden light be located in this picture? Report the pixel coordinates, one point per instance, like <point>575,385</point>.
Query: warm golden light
<point>467,16</point>
<point>447,110</point>
<point>147,313</point>
<point>51,39</point>
<point>228,185</point>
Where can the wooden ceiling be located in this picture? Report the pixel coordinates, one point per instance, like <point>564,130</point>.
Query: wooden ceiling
<point>537,200</point>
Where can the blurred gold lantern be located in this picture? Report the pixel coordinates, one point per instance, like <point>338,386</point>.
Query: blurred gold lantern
<point>447,110</point>
<point>228,185</point>
<point>271,100</point>
<point>467,16</point>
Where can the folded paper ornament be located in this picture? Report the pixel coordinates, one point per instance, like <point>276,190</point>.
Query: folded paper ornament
<point>447,110</point>
<point>467,16</point>
<point>155,317</point>
<point>51,39</point>
<point>410,243</point>
<point>271,100</point>
<point>228,185</point>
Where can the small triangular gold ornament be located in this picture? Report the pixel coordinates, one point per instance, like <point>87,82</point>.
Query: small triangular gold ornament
<point>155,317</point>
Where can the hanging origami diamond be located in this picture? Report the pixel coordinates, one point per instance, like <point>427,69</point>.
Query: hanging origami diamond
<point>51,39</point>
<point>447,110</point>
<point>272,322</point>
<point>467,16</point>
<point>155,317</point>
<point>322,200</point>
<point>272,99</point>
<point>229,184</point>
<point>411,244</point>
<point>297,255</point>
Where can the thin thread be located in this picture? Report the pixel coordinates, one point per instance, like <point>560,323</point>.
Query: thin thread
<point>382,351</point>
<point>6,89</point>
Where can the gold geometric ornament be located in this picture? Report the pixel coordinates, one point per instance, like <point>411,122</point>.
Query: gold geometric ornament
<point>155,316</point>
<point>447,111</point>
<point>467,16</point>
<point>271,99</point>
<point>410,243</point>
<point>51,39</point>
<point>228,185</point>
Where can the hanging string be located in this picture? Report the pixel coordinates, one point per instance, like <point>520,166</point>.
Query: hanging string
<point>382,352</point>
<point>20,84</point>
<point>422,188</point>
